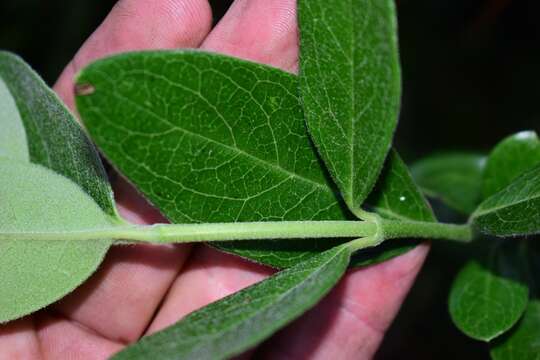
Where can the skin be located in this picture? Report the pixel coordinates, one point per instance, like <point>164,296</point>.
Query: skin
<point>141,289</point>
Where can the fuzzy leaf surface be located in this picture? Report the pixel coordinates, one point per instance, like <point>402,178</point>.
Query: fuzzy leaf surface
<point>54,138</point>
<point>36,273</point>
<point>209,138</point>
<point>350,85</point>
<point>489,294</point>
<point>510,158</point>
<point>13,136</point>
<point>456,179</point>
<point>515,210</point>
<point>240,321</point>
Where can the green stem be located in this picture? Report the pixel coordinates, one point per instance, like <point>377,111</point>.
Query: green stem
<point>427,230</point>
<point>183,233</point>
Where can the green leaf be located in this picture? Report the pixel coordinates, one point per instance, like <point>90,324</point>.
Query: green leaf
<point>12,137</point>
<point>396,197</point>
<point>456,179</point>
<point>350,86</point>
<point>489,295</point>
<point>240,321</point>
<point>510,158</point>
<point>523,343</point>
<point>515,210</point>
<point>55,139</point>
<point>36,273</point>
<point>209,138</point>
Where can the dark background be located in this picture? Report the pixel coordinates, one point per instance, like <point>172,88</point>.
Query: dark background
<point>470,76</point>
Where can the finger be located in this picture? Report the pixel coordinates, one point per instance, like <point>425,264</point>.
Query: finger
<point>208,276</point>
<point>138,25</point>
<point>18,340</point>
<point>63,339</point>
<point>351,321</point>
<point>248,30</point>
<point>119,301</point>
<point>258,30</point>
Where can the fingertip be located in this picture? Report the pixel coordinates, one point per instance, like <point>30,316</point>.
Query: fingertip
<point>140,25</point>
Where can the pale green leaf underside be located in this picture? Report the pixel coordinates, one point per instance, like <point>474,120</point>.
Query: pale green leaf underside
<point>488,297</point>
<point>54,138</point>
<point>350,87</point>
<point>240,321</point>
<point>37,273</point>
<point>454,178</point>
<point>510,158</point>
<point>12,135</point>
<point>209,138</point>
<point>515,210</point>
<point>523,343</point>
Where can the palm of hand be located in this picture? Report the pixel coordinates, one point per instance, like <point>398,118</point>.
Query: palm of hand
<point>141,289</point>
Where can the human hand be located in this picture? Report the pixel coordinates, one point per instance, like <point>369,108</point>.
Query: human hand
<point>141,289</point>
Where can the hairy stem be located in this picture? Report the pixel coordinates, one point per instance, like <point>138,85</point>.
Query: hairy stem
<point>184,233</point>
<point>427,230</point>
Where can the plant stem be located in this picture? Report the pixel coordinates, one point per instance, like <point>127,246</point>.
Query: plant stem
<point>183,233</point>
<point>427,230</point>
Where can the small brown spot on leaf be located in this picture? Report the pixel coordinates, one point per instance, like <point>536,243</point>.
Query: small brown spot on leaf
<point>84,89</point>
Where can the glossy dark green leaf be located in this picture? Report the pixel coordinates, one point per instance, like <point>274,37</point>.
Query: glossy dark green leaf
<point>35,273</point>
<point>523,342</point>
<point>515,210</point>
<point>350,87</point>
<point>510,158</point>
<point>240,321</point>
<point>396,197</point>
<point>208,138</point>
<point>55,139</point>
<point>489,294</point>
<point>454,178</point>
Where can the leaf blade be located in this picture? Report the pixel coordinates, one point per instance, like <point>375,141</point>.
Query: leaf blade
<point>13,136</point>
<point>55,139</point>
<point>36,273</point>
<point>242,320</point>
<point>489,295</point>
<point>455,178</point>
<point>510,158</point>
<point>515,210</point>
<point>350,87</point>
<point>212,172</point>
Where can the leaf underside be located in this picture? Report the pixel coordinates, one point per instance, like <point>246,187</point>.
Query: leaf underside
<point>350,87</point>
<point>36,273</point>
<point>41,130</point>
<point>55,140</point>
<point>240,321</point>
